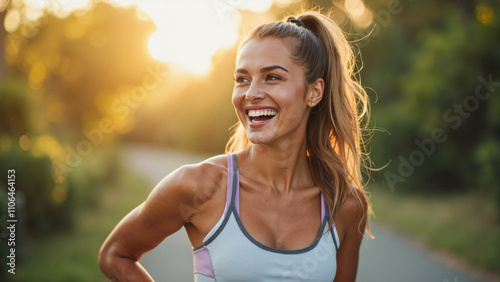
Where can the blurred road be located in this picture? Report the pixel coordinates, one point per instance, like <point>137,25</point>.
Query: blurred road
<point>387,258</point>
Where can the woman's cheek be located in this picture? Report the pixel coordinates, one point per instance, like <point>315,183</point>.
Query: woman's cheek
<point>237,99</point>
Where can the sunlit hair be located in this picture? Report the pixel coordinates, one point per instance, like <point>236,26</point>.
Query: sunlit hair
<point>335,129</point>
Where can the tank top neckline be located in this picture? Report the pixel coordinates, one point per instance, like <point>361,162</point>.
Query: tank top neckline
<point>232,206</point>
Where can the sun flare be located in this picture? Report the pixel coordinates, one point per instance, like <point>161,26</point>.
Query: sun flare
<point>190,32</point>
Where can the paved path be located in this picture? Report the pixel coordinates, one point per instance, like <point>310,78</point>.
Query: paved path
<point>387,258</point>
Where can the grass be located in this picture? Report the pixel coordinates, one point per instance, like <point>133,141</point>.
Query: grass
<point>72,255</point>
<point>464,225</point>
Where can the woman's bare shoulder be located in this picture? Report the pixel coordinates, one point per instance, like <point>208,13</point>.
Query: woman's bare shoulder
<point>191,185</point>
<point>191,177</point>
<point>352,215</point>
<point>209,171</point>
<point>355,205</point>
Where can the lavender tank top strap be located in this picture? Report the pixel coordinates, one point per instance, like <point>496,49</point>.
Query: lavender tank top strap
<point>322,207</point>
<point>233,179</point>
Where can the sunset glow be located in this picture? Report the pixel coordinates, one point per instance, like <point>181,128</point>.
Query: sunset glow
<point>188,32</point>
<point>189,39</point>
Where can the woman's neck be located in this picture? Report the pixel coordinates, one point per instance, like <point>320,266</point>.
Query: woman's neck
<point>281,166</point>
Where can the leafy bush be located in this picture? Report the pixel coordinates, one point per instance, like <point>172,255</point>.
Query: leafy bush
<point>435,86</point>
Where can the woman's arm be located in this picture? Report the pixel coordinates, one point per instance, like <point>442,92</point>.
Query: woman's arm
<point>352,216</point>
<point>166,210</point>
<point>119,255</point>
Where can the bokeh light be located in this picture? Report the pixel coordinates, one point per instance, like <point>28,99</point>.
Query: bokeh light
<point>358,12</point>
<point>484,14</point>
<point>24,142</point>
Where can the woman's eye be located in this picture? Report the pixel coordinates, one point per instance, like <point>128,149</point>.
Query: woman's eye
<point>273,77</point>
<point>240,79</point>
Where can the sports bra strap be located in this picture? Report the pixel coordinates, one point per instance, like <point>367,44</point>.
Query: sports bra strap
<point>323,212</point>
<point>232,193</point>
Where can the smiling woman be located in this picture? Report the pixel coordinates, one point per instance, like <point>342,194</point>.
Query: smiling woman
<point>286,203</point>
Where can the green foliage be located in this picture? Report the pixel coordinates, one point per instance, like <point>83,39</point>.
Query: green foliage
<point>435,76</point>
<point>72,255</point>
<point>34,175</point>
<point>81,61</point>
<point>34,179</point>
<point>50,201</point>
<point>487,154</point>
<point>14,108</point>
<point>97,172</point>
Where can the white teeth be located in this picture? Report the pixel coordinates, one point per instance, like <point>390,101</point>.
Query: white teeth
<point>258,113</point>
<point>254,121</point>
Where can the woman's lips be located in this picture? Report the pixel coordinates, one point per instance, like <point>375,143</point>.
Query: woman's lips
<point>260,117</point>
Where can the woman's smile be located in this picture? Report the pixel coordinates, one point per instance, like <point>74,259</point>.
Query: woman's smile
<point>260,116</point>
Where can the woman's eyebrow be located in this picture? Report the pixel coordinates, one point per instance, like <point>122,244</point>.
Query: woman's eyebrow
<point>240,71</point>
<point>262,70</point>
<point>270,68</point>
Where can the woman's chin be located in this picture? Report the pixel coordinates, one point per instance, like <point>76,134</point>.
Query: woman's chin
<point>258,138</point>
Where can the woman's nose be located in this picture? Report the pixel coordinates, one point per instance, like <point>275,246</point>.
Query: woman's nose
<point>254,92</point>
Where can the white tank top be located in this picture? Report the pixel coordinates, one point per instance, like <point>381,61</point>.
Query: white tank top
<point>230,253</point>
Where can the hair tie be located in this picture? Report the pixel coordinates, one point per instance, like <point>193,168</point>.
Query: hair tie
<point>296,21</point>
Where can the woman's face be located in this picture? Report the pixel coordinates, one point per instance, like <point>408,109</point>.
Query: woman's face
<point>269,95</point>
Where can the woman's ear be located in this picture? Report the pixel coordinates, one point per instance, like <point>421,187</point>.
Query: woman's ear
<point>315,92</point>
